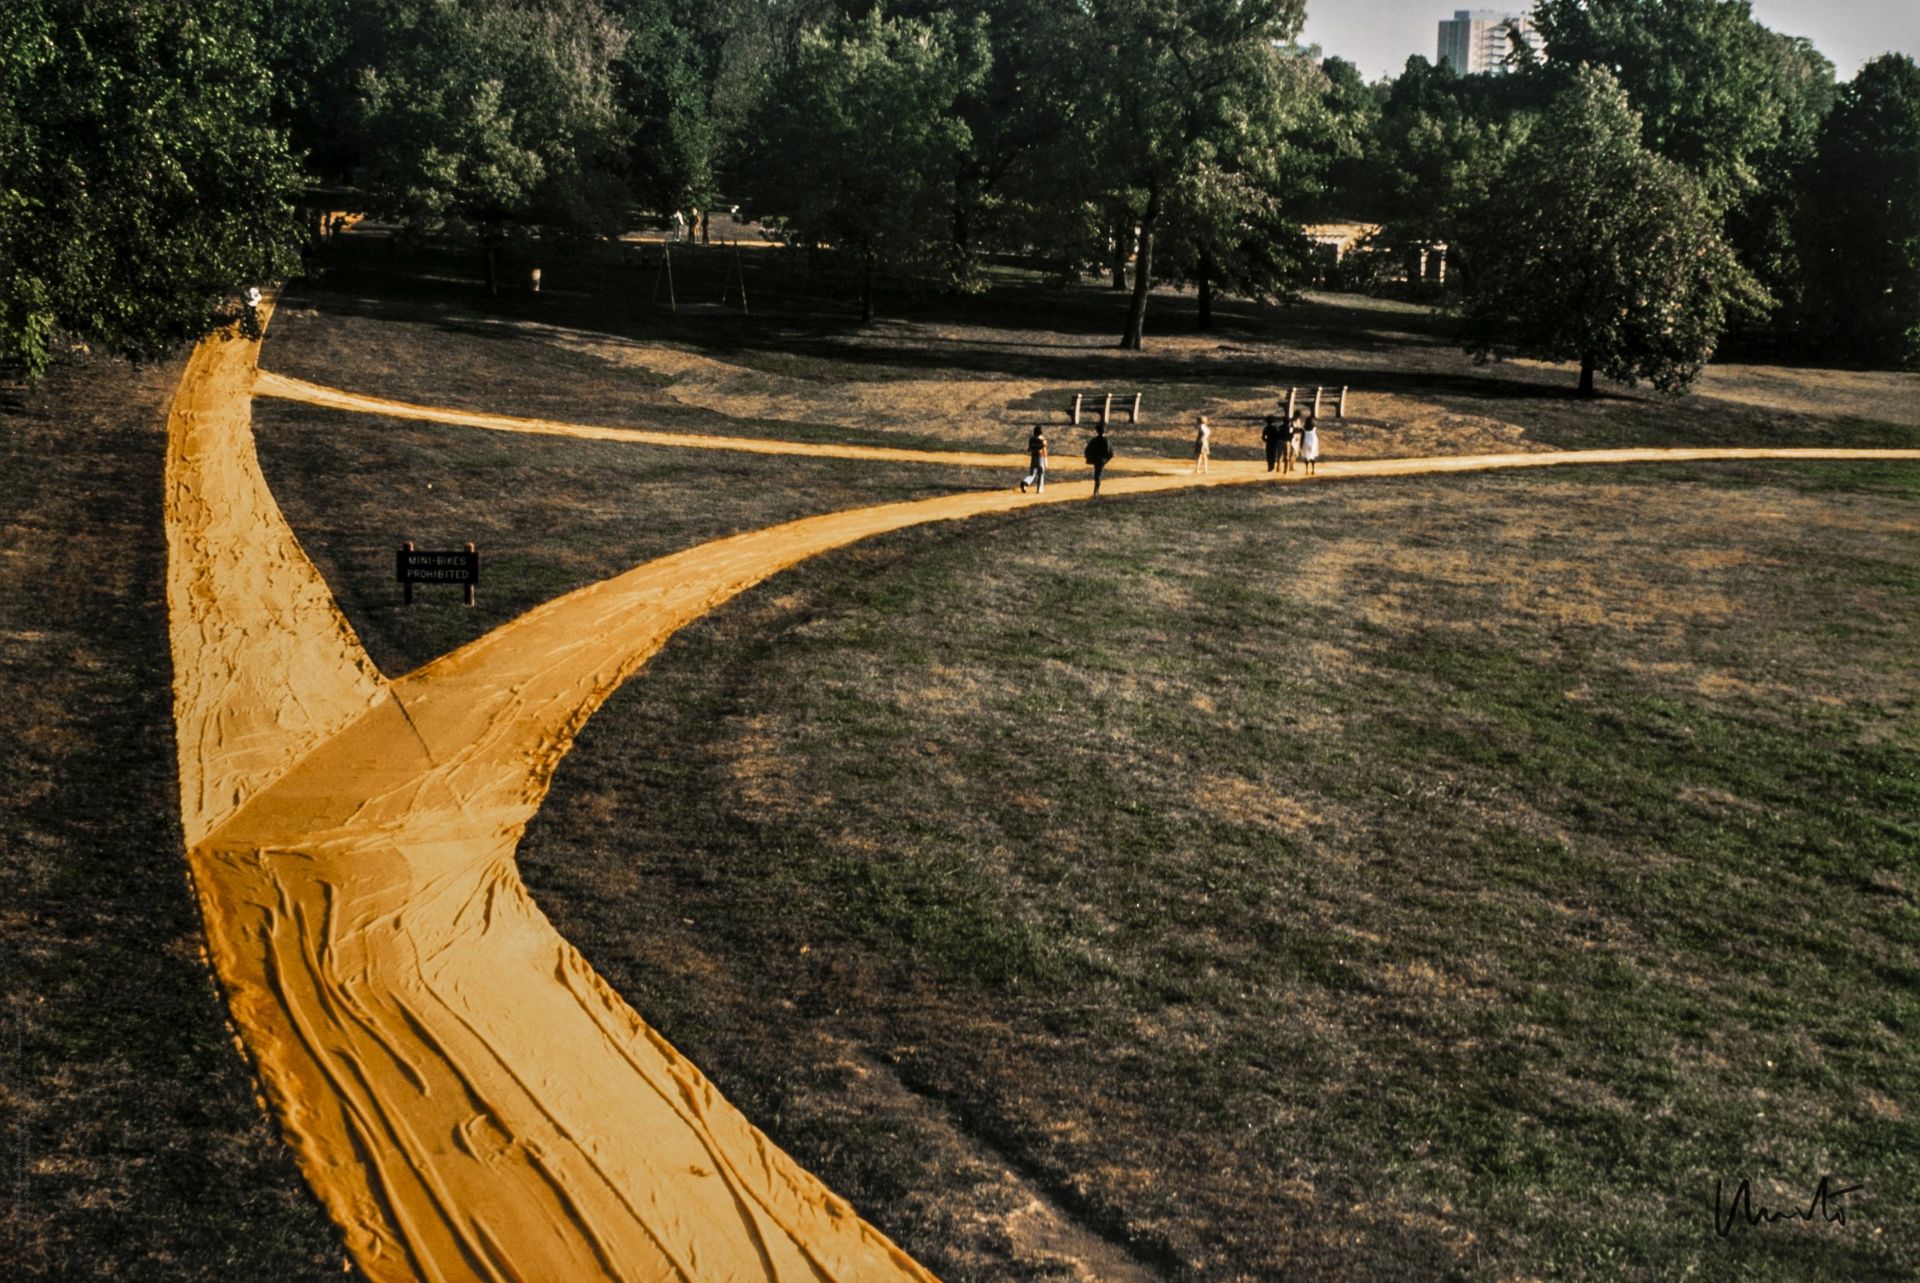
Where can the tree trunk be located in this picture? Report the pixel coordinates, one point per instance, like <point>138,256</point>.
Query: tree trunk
<point>1586,374</point>
<point>1118,250</point>
<point>866,288</point>
<point>962,240</point>
<point>493,269</point>
<point>1142,276</point>
<point>1206,292</point>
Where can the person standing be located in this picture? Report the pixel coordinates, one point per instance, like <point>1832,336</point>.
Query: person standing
<point>250,322</point>
<point>1099,453</point>
<point>1274,437</point>
<point>1202,444</point>
<point>1310,443</point>
<point>1037,462</point>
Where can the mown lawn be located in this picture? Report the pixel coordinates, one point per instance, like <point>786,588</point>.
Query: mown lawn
<point>1414,879</point>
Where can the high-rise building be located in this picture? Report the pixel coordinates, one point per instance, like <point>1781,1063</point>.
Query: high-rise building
<point>1476,40</point>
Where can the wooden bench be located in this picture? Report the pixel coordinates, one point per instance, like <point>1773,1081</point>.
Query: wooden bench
<point>1339,409</point>
<point>1132,402</point>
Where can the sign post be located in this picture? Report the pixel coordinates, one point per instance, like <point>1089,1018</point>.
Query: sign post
<point>411,567</point>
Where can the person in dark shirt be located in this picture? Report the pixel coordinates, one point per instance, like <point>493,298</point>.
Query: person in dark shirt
<point>1099,453</point>
<point>1274,437</point>
<point>1037,461</point>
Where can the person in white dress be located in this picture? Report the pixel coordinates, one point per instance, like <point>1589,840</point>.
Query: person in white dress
<point>1202,444</point>
<point>1310,444</point>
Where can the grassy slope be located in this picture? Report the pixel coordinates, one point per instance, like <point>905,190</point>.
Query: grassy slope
<point>1009,814</point>
<point>547,515</point>
<point>133,1147</point>
<point>1292,895</point>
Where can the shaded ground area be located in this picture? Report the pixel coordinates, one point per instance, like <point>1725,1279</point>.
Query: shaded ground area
<point>548,515</point>
<point>975,372</point>
<point>133,1145</point>
<point>1429,879</point>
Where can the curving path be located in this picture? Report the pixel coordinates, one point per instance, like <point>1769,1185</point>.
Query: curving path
<point>289,389</point>
<point>469,1099</point>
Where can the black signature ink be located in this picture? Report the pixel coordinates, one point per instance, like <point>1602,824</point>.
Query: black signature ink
<point>1742,1206</point>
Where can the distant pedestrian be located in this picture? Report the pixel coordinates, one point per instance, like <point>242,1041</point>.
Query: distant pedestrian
<point>533,278</point>
<point>250,323</point>
<point>1202,444</point>
<point>1099,453</point>
<point>1036,461</point>
<point>1273,435</point>
<point>1295,426</point>
<point>1310,443</point>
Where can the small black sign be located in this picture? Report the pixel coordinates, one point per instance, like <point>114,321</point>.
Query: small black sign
<point>438,567</point>
<point>412,567</point>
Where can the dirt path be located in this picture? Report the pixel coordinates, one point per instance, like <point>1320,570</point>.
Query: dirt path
<point>469,1099</point>
<point>289,389</point>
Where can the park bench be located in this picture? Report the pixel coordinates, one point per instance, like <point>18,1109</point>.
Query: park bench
<point>1105,401</point>
<point>1339,408</point>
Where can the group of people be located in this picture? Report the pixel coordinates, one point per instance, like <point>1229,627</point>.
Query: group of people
<point>1286,440</point>
<point>1098,454</point>
<point>1292,439</point>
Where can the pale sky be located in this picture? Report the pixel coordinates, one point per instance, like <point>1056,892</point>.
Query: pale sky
<point>1379,35</point>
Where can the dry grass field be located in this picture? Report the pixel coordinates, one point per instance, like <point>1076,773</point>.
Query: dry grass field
<point>1444,878</point>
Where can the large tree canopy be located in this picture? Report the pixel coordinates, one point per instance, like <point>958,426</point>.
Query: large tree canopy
<point>1440,140</point>
<point>1176,98</point>
<point>1862,219</point>
<point>858,143</point>
<point>485,114</point>
<point>1589,247</point>
<point>1704,76</point>
<point>139,179</point>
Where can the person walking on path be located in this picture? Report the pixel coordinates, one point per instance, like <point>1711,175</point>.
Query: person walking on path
<point>1274,437</point>
<point>1309,444</point>
<point>1202,444</point>
<point>1099,453</point>
<point>1295,426</point>
<point>1037,462</point>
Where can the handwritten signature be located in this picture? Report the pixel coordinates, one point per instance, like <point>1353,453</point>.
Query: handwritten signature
<point>1825,1202</point>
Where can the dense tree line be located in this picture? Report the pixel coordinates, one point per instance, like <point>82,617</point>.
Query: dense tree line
<point>1670,168</point>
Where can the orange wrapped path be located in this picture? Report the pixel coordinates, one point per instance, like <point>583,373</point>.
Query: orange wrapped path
<point>464,1093</point>
<point>466,1096</point>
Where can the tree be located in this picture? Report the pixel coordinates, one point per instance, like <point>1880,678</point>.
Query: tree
<point>1703,75</point>
<point>487,115</point>
<point>315,50</point>
<point>1861,229</point>
<point>140,183</point>
<point>1169,91</point>
<point>1233,220</point>
<point>1590,247</point>
<point>858,142</point>
<point>1344,128</point>
<point>1441,139</point>
<point>1732,101</point>
<point>1761,226</point>
<point>663,88</point>
<point>1013,116</point>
